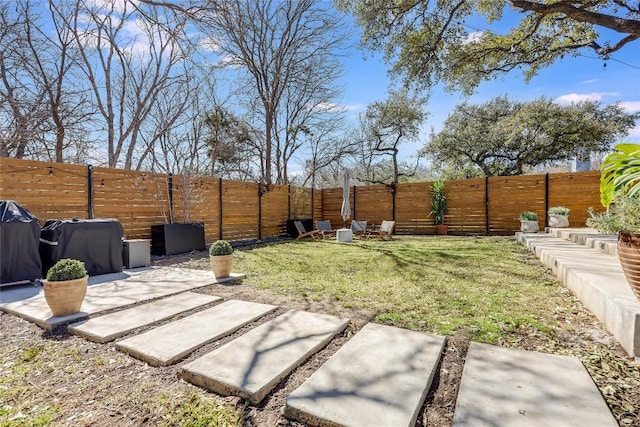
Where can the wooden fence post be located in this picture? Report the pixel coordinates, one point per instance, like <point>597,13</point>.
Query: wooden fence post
<point>546,199</point>
<point>354,202</point>
<point>486,206</point>
<point>259,211</point>
<point>90,191</point>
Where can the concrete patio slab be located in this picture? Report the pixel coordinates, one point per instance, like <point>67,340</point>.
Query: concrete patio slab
<point>506,387</point>
<point>597,280</point>
<point>131,287</point>
<point>251,365</point>
<point>607,243</point>
<point>114,325</point>
<point>167,344</point>
<point>378,378</point>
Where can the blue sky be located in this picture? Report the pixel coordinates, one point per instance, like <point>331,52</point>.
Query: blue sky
<point>570,79</point>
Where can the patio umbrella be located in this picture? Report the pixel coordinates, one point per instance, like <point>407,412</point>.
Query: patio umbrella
<point>346,208</point>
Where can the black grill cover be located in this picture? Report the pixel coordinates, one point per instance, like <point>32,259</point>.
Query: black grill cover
<point>19,236</point>
<point>96,242</point>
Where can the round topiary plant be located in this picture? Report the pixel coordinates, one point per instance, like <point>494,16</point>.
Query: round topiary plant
<point>66,269</point>
<point>220,248</point>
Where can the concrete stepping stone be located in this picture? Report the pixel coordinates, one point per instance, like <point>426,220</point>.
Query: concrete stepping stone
<point>168,343</point>
<point>251,365</point>
<point>379,378</point>
<point>506,387</point>
<point>114,325</point>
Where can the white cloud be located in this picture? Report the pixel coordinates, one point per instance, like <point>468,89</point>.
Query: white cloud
<point>631,106</point>
<point>635,131</point>
<point>333,107</point>
<point>581,97</point>
<point>588,82</point>
<point>210,44</point>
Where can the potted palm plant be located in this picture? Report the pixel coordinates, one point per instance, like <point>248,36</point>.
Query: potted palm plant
<point>221,258</point>
<point>620,194</point>
<point>529,222</point>
<point>439,206</point>
<point>558,216</point>
<point>65,287</point>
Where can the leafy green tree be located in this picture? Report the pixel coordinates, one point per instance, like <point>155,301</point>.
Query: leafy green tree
<point>386,124</point>
<point>504,137</point>
<point>430,42</point>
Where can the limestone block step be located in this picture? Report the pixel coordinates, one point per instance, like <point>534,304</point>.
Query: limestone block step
<point>251,365</point>
<point>507,387</point>
<point>597,280</point>
<point>168,343</point>
<point>379,378</point>
<point>114,325</point>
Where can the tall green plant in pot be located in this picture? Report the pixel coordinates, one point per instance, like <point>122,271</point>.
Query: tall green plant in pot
<point>65,287</point>
<point>439,206</point>
<point>620,194</point>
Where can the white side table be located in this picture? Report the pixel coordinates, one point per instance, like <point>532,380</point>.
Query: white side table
<point>344,235</point>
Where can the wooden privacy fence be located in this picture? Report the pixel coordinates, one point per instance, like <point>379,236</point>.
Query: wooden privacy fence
<point>236,210</point>
<point>488,206</point>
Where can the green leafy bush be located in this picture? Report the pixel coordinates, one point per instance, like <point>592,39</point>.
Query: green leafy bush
<point>559,210</point>
<point>620,173</point>
<point>220,247</point>
<point>528,216</point>
<point>66,269</point>
<point>623,215</point>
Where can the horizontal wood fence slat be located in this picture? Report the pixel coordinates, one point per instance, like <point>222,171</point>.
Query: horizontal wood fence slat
<point>141,199</point>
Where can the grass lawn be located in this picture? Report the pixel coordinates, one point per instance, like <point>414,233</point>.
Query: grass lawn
<point>483,287</point>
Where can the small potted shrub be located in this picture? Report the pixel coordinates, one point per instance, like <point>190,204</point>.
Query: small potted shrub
<point>221,258</point>
<point>529,222</point>
<point>558,216</point>
<point>65,287</point>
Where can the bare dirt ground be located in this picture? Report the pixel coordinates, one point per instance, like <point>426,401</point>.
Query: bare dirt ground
<point>72,381</point>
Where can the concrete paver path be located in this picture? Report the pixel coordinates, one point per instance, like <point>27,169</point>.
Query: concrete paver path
<point>114,325</point>
<point>134,286</point>
<point>516,388</point>
<point>379,378</point>
<point>168,343</point>
<point>251,365</point>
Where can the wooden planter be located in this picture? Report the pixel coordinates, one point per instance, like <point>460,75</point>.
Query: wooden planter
<point>65,297</point>
<point>221,265</point>
<point>629,256</point>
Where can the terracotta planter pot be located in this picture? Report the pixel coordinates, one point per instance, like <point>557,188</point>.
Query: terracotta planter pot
<point>221,265</point>
<point>442,229</point>
<point>65,297</point>
<point>527,226</point>
<point>629,256</point>
<point>558,221</point>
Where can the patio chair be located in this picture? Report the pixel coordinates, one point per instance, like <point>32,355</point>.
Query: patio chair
<point>314,234</point>
<point>359,228</point>
<point>384,232</point>
<point>324,227</point>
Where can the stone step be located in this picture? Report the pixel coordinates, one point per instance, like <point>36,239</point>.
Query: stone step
<point>597,280</point>
<point>114,325</point>
<point>168,343</point>
<point>506,387</point>
<point>607,243</point>
<point>117,290</point>
<point>251,365</point>
<point>379,378</point>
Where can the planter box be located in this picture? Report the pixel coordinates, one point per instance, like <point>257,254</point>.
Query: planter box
<point>293,231</point>
<point>135,253</point>
<point>171,239</point>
